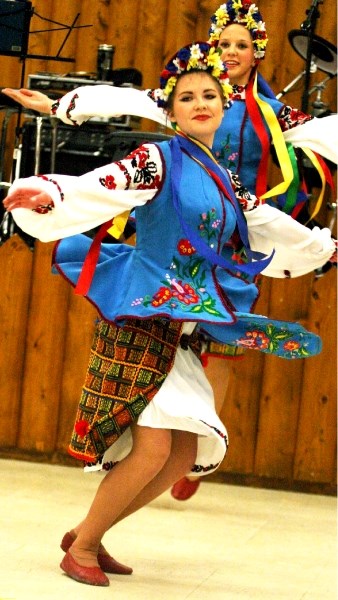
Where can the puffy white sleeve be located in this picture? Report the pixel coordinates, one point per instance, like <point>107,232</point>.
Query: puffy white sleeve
<point>298,250</point>
<point>318,134</point>
<point>85,202</point>
<point>88,101</point>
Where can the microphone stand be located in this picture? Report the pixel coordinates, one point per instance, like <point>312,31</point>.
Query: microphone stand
<point>309,25</point>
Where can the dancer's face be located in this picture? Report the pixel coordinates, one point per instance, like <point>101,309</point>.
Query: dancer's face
<point>237,53</point>
<point>197,106</point>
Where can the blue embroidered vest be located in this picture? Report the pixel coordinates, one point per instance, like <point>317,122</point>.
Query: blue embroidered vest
<point>236,144</point>
<point>163,275</point>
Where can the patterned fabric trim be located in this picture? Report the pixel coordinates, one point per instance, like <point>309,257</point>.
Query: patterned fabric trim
<point>199,469</point>
<point>220,350</point>
<point>55,106</point>
<point>127,367</point>
<point>292,117</point>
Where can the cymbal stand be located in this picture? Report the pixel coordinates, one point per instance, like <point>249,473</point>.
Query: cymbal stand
<point>295,80</point>
<point>309,25</point>
<point>319,106</point>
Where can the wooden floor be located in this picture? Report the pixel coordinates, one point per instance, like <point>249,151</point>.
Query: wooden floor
<point>226,542</point>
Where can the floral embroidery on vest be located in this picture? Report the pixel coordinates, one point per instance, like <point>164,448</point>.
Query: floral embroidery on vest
<point>227,158</point>
<point>187,288</point>
<point>271,338</point>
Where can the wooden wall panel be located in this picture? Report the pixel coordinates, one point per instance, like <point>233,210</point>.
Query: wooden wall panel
<point>16,261</point>
<point>42,372</point>
<point>281,388</point>
<point>240,410</point>
<point>125,20</point>
<point>315,452</point>
<point>281,415</point>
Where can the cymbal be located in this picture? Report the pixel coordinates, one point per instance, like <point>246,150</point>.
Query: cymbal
<point>324,54</point>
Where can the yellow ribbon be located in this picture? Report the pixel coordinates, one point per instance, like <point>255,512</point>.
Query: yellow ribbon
<point>311,155</point>
<point>118,224</point>
<point>279,143</point>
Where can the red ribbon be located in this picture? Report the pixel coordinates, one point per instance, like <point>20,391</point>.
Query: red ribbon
<point>90,262</point>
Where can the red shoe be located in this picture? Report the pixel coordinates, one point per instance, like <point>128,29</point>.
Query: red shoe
<point>184,488</point>
<point>89,575</point>
<point>106,562</point>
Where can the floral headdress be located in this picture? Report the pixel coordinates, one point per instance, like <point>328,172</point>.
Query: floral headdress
<point>242,12</point>
<point>200,56</point>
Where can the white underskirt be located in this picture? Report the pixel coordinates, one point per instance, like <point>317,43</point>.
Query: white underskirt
<point>185,401</point>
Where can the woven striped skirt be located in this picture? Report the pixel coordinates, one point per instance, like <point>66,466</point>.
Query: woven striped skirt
<point>141,373</point>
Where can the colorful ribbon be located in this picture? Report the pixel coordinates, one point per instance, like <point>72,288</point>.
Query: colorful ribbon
<point>203,156</point>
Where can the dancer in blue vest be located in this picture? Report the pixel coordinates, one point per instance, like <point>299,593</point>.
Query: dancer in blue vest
<point>146,414</point>
<point>242,142</point>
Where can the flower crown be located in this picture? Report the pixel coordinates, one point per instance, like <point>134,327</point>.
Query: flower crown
<point>200,56</point>
<point>244,13</point>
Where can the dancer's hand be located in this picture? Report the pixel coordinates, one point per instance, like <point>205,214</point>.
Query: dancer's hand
<point>30,99</point>
<point>31,198</point>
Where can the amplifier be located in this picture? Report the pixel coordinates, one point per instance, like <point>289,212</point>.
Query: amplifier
<point>15,16</point>
<point>55,85</point>
<point>78,149</point>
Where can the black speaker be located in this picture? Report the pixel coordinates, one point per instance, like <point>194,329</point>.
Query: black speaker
<point>77,149</point>
<point>15,16</point>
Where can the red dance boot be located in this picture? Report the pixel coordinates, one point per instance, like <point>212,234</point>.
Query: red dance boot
<point>184,488</point>
<point>89,575</point>
<point>107,563</point>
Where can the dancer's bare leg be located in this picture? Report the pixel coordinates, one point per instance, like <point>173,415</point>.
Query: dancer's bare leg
<point>150,451</point>
<point>182,458</point>
<point>109,508</point>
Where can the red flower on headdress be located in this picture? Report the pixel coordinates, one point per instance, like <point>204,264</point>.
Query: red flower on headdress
<point>166,74</point>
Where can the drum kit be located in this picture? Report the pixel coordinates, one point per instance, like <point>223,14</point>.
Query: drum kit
<point>323,57</point>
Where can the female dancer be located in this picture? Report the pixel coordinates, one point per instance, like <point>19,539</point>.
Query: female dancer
<point>146,413</point>
<point>242,142</point>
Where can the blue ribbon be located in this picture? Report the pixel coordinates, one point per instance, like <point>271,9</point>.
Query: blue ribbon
<point>179,144</point>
